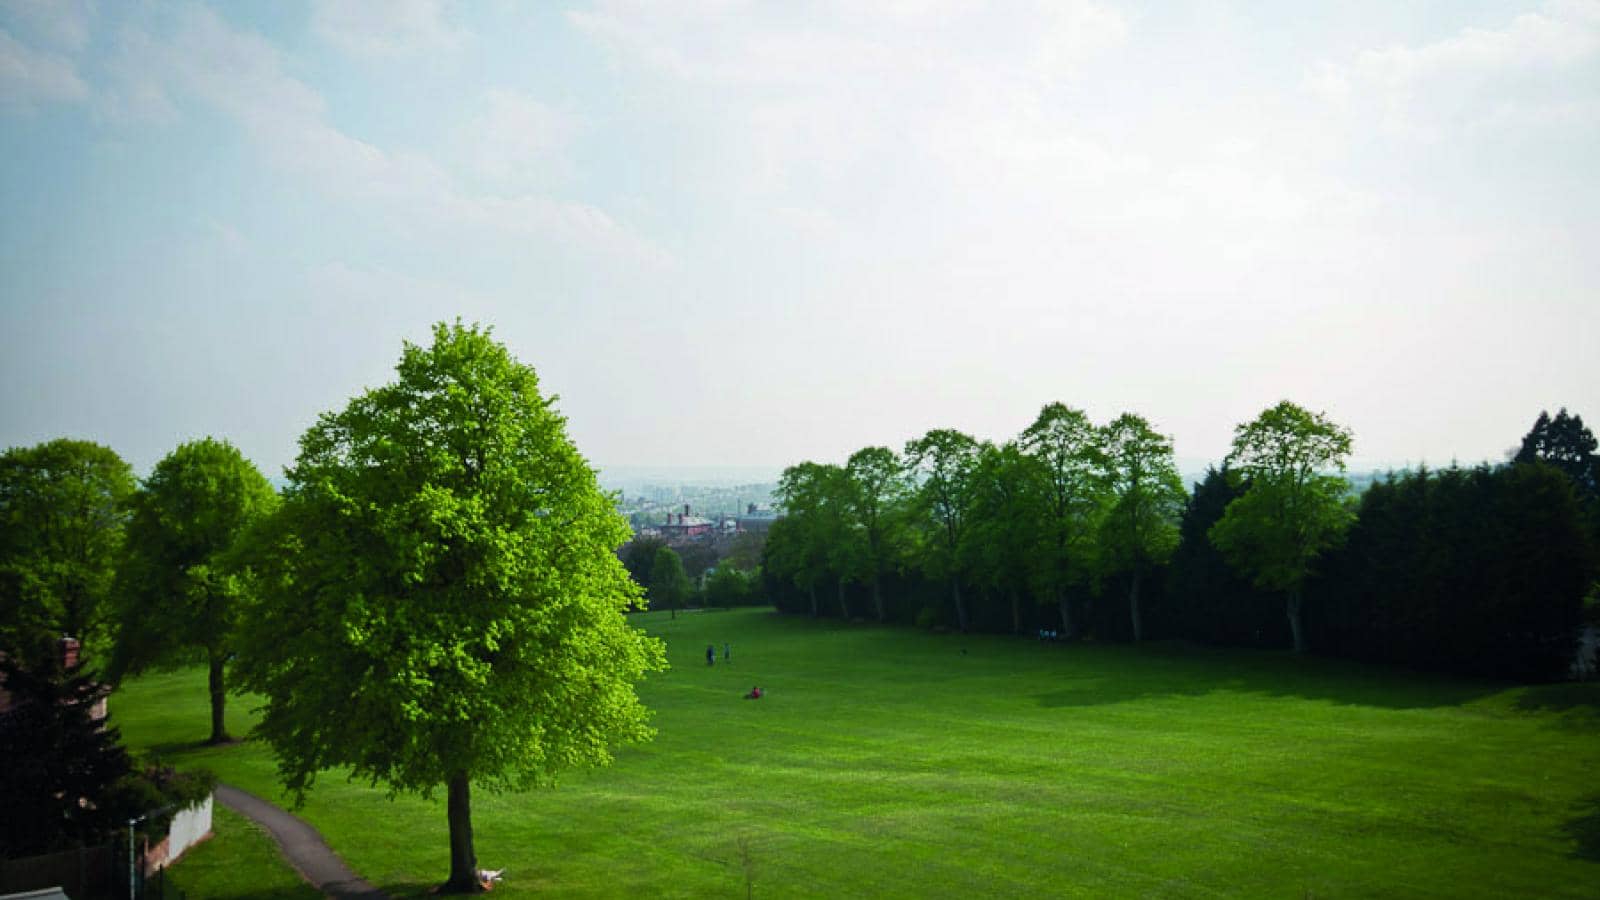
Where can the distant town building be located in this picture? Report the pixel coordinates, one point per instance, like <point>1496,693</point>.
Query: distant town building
<point>757,518</point>
<point>683,525</point>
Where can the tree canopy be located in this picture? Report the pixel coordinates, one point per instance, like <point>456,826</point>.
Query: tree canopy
<point>1141,528</point>
<point>1296,506</point>
<point>1069,463</point>
<point>179,589</point>
<point>669,585</point>
<point>63,506</point>
<point>1001,536</point>
<point>444,604</point>
<point>874,487</point>
<point>943,461</point>
<point>1567,444</point>
<point>806,544</point>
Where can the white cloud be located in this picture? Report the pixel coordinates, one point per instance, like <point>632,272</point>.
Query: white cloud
<point>31,78</point>
<point>1526,63</point>
<point>60,23</point>
<point>517,142</point>
<point>832,102</point>
<point>385,28</point>
<point>241,75</point>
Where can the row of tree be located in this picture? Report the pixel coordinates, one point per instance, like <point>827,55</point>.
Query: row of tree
<point>1076,528</point>
<point>696,573</point>
<point>433,600</point>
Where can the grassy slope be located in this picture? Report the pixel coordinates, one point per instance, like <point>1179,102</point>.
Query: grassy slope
<point>887,762</point>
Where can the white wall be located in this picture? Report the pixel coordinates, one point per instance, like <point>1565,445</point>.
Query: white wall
<point>188,827</point>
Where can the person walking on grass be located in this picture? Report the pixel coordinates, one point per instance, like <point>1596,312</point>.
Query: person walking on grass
<point>727,651</point>
<point>711,654</point>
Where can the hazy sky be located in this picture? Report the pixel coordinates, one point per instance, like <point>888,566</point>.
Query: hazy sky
<point>740,233</point>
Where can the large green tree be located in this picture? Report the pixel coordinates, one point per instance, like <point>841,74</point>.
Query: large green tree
<point>1069,463</point>
<point>180,589</point>
<point>1140,530</point>
<point>443,603</point>
<point>669,586</point>
<point>1297,505</point>
<point>1002,523</point>
<point>809,545</point>
<point>942,462</point>
<point>63,505</point>
<point>875,491</point>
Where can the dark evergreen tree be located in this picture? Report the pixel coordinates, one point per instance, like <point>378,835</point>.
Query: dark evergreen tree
<point>61,768</point>
<point>1205,598</point>
<point>1565,443</point>
<point>1476,571</point>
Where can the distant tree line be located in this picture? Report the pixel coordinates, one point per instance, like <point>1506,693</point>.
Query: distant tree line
<point>1077,530</point>
<point>696,573</point>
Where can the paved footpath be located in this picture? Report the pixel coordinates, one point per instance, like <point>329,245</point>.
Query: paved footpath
<point>301,845</point>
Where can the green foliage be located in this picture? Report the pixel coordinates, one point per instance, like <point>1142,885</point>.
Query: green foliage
<point>1147,496</point>
<point>1479,571</point>
<point>62,774</point>
<point>873,492</point>
<point>1211,601</point>
<point>441,596</point>
<point>943,461</point>
<point>1069,462</point>
<point>638,556</point>
<point>1002,534</point>
<point>1140,529</point>
<point>669,585</point>
<point>727,587</point>
<point>1567,444</point>
<point>808,547</point>
<point>63,505</point>
<point>179,588</point>
<point>746,552</point>
<point>1297,505</point>
<point>181,584</point>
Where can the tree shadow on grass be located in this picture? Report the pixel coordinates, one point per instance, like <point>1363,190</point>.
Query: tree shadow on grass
<point>1571,707</point>
<point>414,890</point>
<point>176,748</point>
<point>1568,697</point>
<point>1585,831</point>
<point>1175,669</point>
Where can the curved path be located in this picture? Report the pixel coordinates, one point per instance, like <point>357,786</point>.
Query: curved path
<point>301,845</point>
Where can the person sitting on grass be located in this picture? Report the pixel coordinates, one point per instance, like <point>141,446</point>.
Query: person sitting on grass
<point>755,693</point>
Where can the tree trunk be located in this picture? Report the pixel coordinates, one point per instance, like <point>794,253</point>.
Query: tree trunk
<point>844,608</point>
<point>1133,609</point>
<point>1016,613</point>
<point>877,598</point>
<point>463,860</point>
<point>1294,621</point>
<point>219,696</point>
<point>815,609</point>
<point>1066,613</point>
<point>961,607</point>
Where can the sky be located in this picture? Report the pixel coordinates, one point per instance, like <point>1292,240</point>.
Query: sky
<point>747,234</point>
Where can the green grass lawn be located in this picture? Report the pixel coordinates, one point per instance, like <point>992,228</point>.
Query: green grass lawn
<point>239,862</point>
<point>885,761</point>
